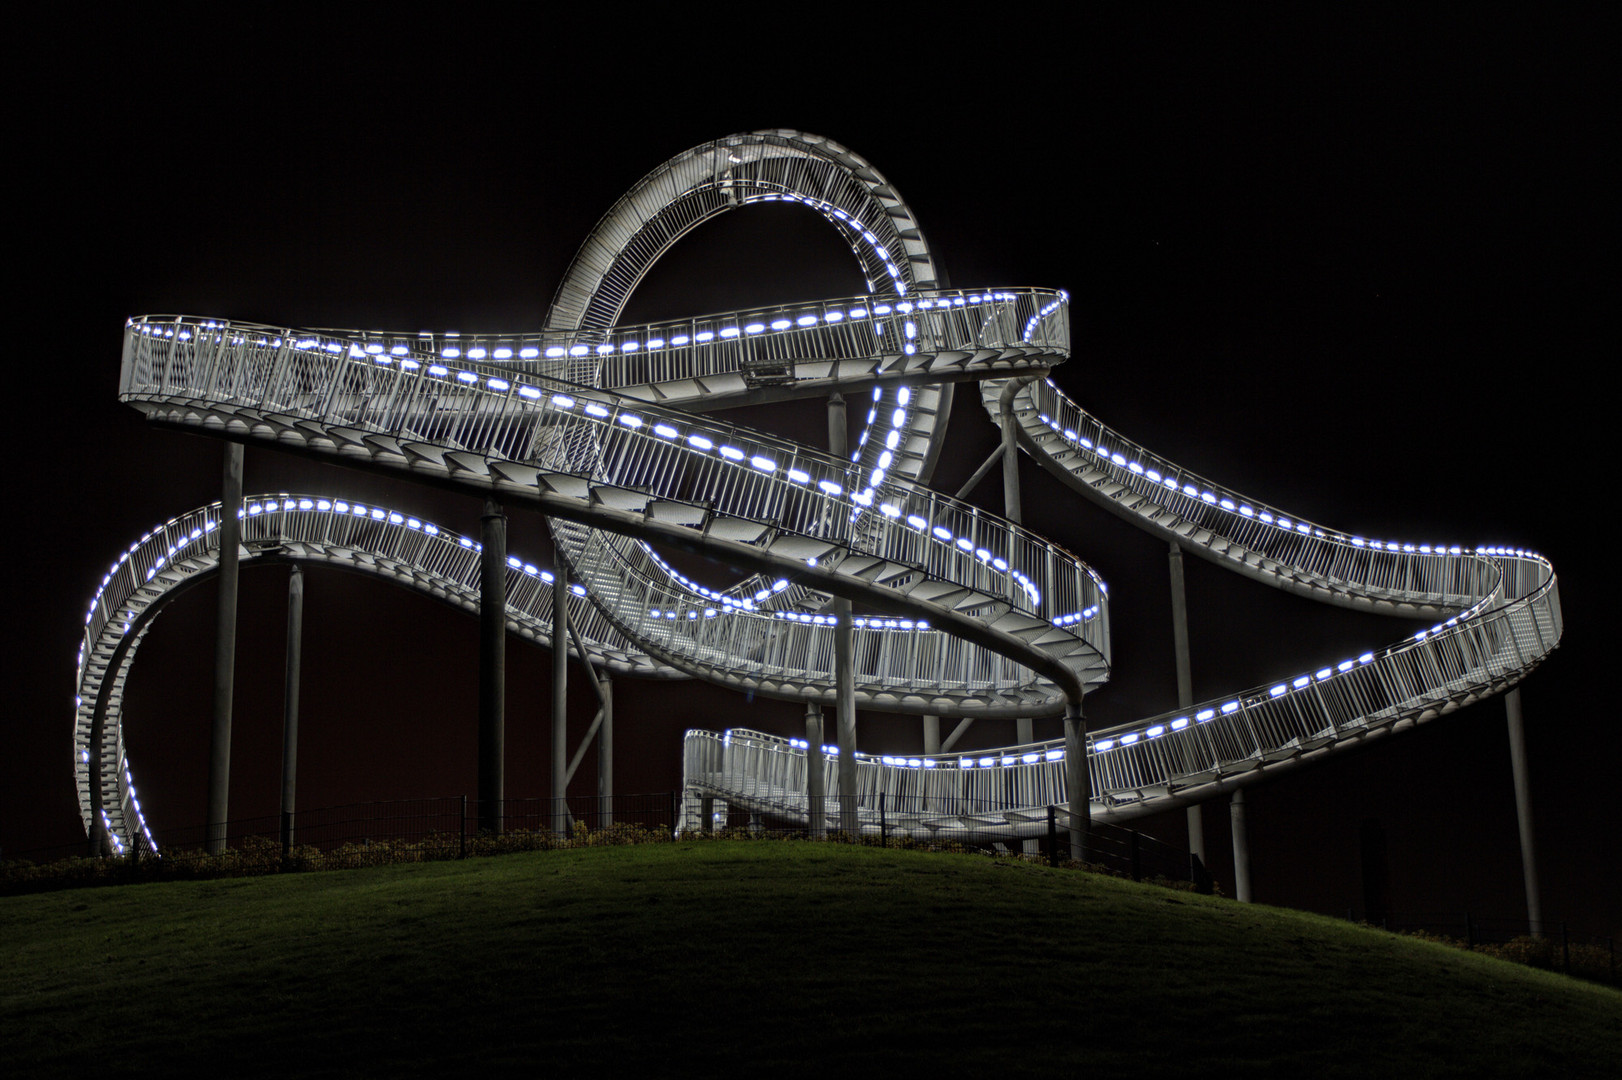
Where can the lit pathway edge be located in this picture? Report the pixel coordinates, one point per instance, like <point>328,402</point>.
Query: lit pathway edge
<point>594,425</point>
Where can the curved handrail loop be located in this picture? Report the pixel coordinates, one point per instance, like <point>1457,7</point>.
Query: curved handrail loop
<point>779,165</point>
<point>751,168</point>
<point>361,537</point>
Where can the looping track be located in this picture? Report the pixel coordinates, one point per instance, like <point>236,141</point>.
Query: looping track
<point>599,427</point>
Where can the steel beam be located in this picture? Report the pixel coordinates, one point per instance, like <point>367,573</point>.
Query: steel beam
<point>1241,847</point>
<point>492,665</point>
<point>816,794</point>
<point>605,754</point>
<point>844,661</point>
<point>1185,688</point>
<point>560,700</point>
<point>225,652</point>
<point>290,687</point>
<point>1078,781</point>
<point>1523,810</point>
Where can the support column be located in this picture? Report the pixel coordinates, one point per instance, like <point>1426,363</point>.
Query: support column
<point>816,794</point>
<point>932,747</point>
<point>560,700</point>
<point>605,756</point>
<point>1185,691</point>
<point>1523,810</point>
<point>492,665</point>
<point>844,671</point>
<point>845,678</point>
<point>1078,781</point>
<point>1024,732</point>
<point>1241,847</point>
<point>225,652</point>
<point>932,735</point>
<point>290,685</point>
<point>1010,467</point>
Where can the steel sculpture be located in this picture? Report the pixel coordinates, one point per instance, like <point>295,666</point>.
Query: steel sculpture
<point>600,427</point>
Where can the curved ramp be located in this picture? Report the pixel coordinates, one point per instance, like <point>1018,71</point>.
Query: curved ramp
<point>1501,617</point>
<point>596,426</point>
<point>359,537</point>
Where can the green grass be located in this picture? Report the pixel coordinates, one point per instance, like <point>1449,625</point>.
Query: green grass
<point>777,958</point>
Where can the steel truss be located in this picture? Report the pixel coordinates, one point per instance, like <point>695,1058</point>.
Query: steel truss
<point>599,426</point>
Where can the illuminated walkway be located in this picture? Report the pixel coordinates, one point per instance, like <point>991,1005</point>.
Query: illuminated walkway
<point>600,427</point>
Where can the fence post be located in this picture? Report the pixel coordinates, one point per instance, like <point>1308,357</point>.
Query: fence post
<point>461,832</point>
<point>1053,836</point>
<point>675,812</point>
<point>884,829</point>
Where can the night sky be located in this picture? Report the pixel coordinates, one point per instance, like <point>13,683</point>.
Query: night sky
<point>1353,269</point>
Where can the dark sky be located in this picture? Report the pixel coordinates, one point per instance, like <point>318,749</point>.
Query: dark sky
<point>1352,268</point>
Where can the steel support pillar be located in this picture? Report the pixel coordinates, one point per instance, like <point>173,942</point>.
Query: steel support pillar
<point>1523,810</point>
<point>560,701</point>
<point>1241,847</point>
<point>290,685</point>
<point>1024,735</point>
<point>225,652</point>
<point>492,665</point>
<point>845,680</point>
<point>605,756</point>
<point>932,734</point>
<point>1013,510</point>
<point>1185,688</point>
<point>1078,781</point>
<point>844,660</point>
<point>1010,466</point>
<point>816,794</point>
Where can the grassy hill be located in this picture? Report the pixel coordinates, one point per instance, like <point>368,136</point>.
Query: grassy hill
<point>772,958</point>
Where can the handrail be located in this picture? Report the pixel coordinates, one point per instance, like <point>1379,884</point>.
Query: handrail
<point>595,425</point>
<point>1244,534</point>
<point>282,527</point>
<point>1182,756</point>
<point>639,468</point>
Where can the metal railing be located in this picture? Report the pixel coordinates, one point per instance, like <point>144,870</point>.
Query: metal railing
<point>303,528</point>
<point>597,451</point>
<point>1181,756</point>
<point>1246,534</point>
